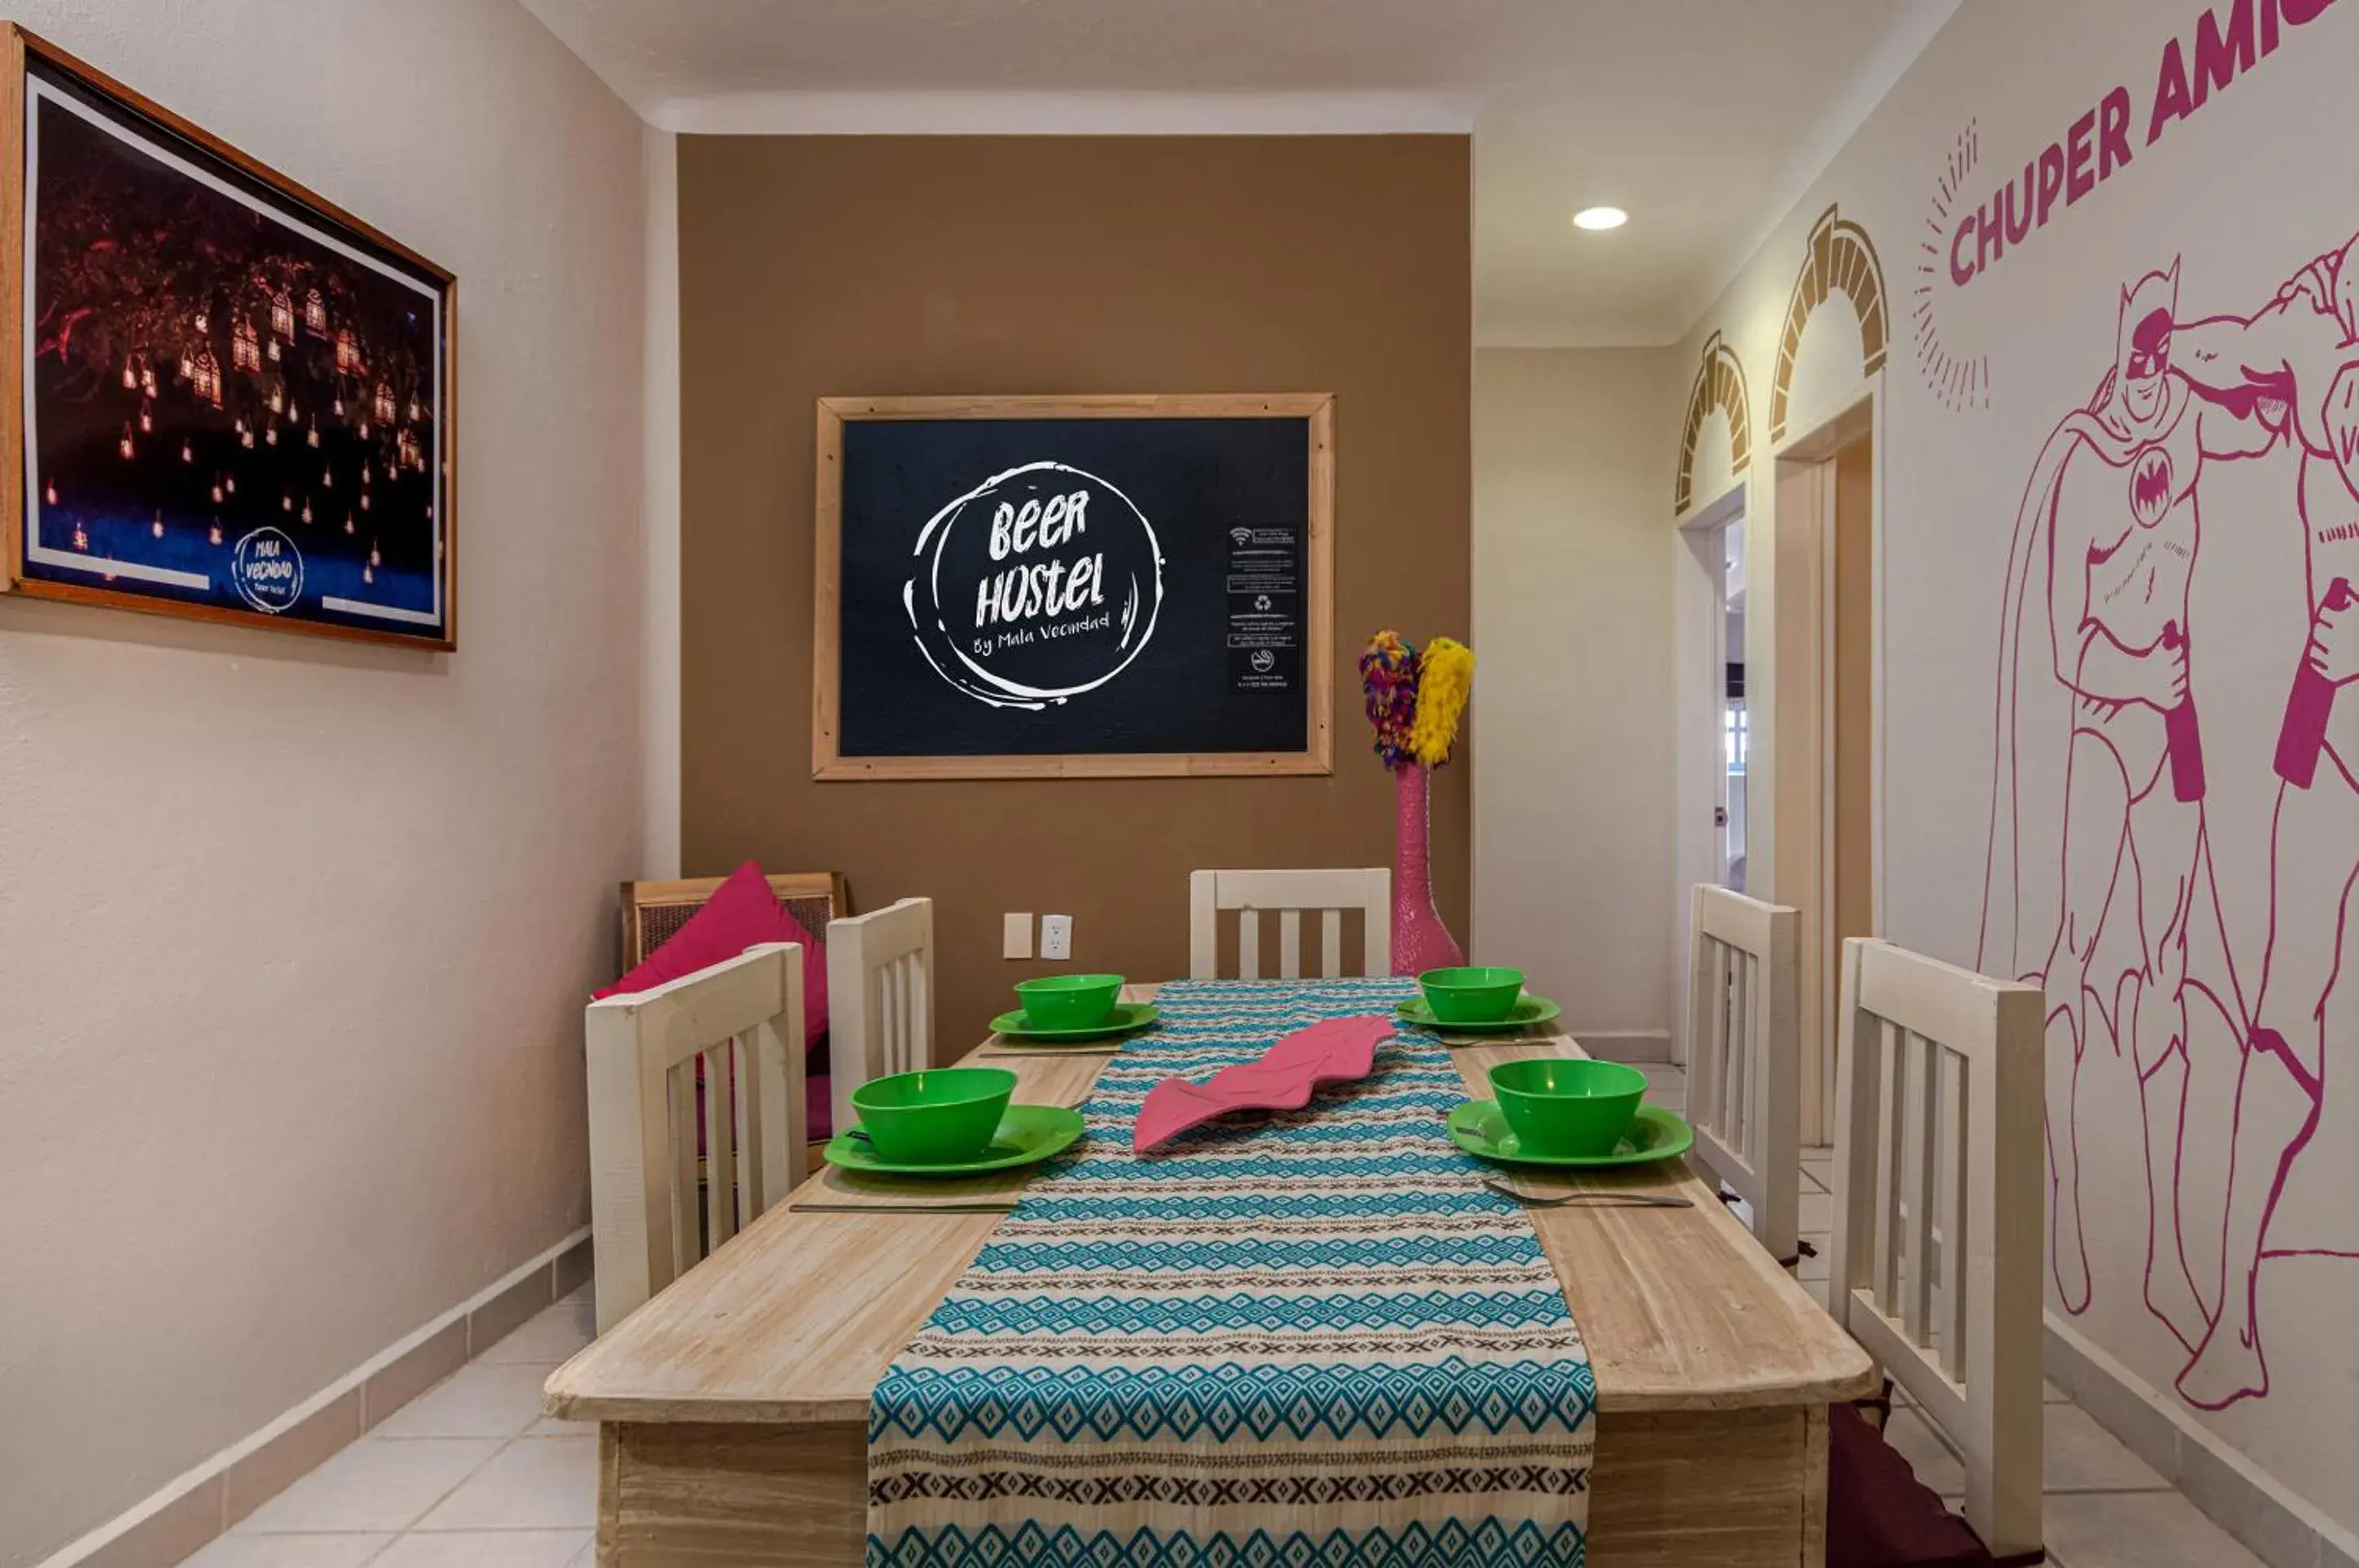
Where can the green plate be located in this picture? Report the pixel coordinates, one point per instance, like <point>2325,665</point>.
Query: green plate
<point>1479,1128</point>
<point>1028,1134</point>
<point>1127,1016</point>
<point>1529,1011</point>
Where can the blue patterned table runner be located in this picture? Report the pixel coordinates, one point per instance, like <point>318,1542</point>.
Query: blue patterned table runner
<point>1310,1338</point>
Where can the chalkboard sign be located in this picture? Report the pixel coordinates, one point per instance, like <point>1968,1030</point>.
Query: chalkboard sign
<point>1079,587</point>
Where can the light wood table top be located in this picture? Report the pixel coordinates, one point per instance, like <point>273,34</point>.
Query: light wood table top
<point>796,1319</point>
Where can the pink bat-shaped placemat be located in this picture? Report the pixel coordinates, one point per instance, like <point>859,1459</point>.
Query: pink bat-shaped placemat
<point>1338,1051</point>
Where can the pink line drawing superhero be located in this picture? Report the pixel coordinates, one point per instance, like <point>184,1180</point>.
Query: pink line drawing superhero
<point>2098,879</point>
<point>2299,359</point>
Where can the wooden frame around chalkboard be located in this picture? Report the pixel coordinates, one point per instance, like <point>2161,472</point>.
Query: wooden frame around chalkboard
<point>1318,562</point>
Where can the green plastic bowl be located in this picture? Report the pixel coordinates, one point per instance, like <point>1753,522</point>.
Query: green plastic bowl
<point>936,1117</point>
<point>1556,1105</point>
<point>1069,1002</point>
<point>1472,996</point>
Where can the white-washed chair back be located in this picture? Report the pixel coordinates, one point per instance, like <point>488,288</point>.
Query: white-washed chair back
<point>880,999</point>
<point>744,1021</point>
<point>1289,894</point>
<point>1940,1213</point>
<point>1745,1025</point>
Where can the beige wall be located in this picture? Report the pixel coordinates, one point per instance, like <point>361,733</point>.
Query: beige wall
<point>293,934</point>
<point>1573,556</point>
<point>812,267</point>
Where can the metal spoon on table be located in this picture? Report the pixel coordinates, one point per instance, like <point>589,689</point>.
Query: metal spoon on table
<point>1589,1199</point>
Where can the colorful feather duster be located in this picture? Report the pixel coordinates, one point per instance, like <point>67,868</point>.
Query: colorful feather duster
<point>1445,678</point>
<point>1388,671</point>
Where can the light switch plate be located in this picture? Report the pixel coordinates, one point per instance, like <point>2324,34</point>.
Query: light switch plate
<point>1016,936</point>
<point>1056,937</point>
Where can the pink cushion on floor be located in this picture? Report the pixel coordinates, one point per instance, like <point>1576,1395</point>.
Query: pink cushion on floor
<point>742,913</point>
<point>1878,1514</point>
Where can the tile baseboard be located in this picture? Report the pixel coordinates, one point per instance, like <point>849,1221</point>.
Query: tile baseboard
<point>169,1525</point>
<point>1626,1044</point>
<point>2280,1527</point>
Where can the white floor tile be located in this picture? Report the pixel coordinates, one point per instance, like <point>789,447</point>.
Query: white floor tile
<point>554,1335</point>
<point>550,1426</point>
<point>1815,1268</point>
<point>1928,1455</point>
<point>537,1482</point>
<point>486,1398</point>
<point>2084,1457</point>
<point>2139,1529</point>
<point>486,1549</point>
<point>288,1551</point>
<point>1818,1213</point>
<point>377,1484</point>
<point>1813,1182</point>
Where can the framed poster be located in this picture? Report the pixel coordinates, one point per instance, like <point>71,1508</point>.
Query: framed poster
<point>232,399</point>
<point>1073,586</point>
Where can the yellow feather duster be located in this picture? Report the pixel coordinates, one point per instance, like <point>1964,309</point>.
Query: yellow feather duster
<point>1444,681</point>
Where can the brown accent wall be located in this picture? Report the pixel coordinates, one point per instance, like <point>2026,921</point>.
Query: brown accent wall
<point>817,266</point>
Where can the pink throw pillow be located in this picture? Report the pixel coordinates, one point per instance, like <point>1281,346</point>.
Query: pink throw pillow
<point>741,913</point>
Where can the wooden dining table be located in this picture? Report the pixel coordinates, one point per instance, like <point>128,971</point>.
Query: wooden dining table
<point>732,1407</point>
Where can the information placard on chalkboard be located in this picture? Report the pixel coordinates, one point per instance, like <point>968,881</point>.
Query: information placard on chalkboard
<point>1043,587</point>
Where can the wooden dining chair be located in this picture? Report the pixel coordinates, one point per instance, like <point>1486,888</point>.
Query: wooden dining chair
<point>1745,1045</point>
<point>880,996</point>
<point>743,1021</point>
<point>1289,895</point>
<point>1938,1233</point>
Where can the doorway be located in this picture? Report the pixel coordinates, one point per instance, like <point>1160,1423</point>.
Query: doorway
<point>1827,698</point>
<point>1710,840</point>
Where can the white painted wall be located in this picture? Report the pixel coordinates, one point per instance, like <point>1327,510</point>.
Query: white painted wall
<point>2244,195</point>
<point>1573,623</point>
<point>293,934</point>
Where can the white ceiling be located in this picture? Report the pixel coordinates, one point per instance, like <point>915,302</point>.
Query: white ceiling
<point>1704,118</point>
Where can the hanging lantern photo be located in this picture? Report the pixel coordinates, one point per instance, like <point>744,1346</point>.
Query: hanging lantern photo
<point>315,313</point>
<point>124,445</point>
<point>282,315</point>
<point>383,406</point>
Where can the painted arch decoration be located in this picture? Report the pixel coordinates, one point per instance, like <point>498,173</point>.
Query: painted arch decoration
<point>1838,259</point>
<point>1719,384</point>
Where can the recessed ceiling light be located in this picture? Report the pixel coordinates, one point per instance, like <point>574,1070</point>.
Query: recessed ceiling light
<point>1600,218</point>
